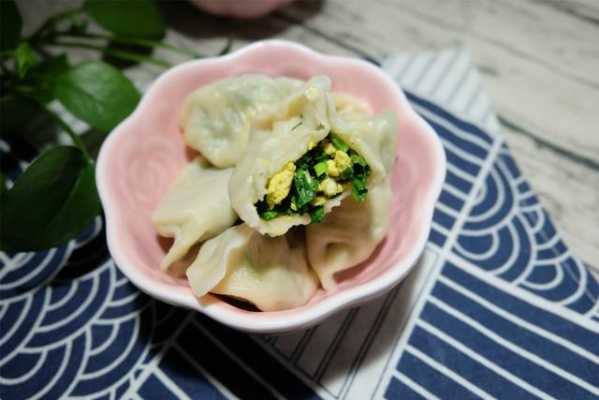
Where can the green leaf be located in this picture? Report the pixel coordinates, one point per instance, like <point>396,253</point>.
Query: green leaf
<point>25,59</point>
<point>93,139</point>
<point>52,67</point>
<point>50,203</point>
<point>29,125</point>
<point>11,25</point>
<point>43,76</point>
<point>14,113</point>
<point>2,187</point>
<point>132,18</point>
<point>97,93</point>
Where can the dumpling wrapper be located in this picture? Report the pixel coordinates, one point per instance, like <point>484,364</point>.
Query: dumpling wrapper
<point>216,118</point>
<point>271,273</point>
<point>346,104</point>
<point>372,137</point>
<point>349,234</point>
<point>195,208</point>
<point>282,136</point>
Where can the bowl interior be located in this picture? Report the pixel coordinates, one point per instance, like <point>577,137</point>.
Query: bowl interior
<point>145,153</point>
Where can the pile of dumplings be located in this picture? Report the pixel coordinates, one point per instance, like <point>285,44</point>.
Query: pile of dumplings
<point>246,130</point>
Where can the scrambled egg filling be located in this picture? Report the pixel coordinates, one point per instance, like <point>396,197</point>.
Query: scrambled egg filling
<point>329,149</point>
<point>304,186</point>
<point>279,185</point>
<point>330,187</point>
<point>342,160</point>
<point>339,163</point>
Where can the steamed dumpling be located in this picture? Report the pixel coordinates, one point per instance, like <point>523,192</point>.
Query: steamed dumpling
<point>271,273</point>
<point>216,118</point>
<point>278,184</point>
<point>195,208</point>
<point>349,234</point>
<point>285,135</point>
<point>373,137</point>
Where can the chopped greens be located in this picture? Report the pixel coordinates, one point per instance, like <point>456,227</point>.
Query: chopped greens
<point>320,168</point>
<point>357,159</point>
<point>305,187</point>
<point>296,126</point>
<point>339,143</point>
<point>312,157</point>
<point>269,214</point>
<point>347,174</point>
<point>359,189</point>
<point>360,174</point>
<point>308,191</point>
<point>317,215</point>
<point>264,212</point>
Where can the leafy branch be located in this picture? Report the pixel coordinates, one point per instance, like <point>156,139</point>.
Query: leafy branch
<point>124,55</point>
<point>133,41</point>
<point>55,197</point>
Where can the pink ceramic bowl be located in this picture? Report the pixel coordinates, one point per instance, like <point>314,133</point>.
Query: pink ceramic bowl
<point>142,156</point>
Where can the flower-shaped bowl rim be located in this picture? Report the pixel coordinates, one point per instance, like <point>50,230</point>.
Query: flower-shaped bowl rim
<point>316,312</point>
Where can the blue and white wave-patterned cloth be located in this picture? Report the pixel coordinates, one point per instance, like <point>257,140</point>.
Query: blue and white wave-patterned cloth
<point>499,307</point>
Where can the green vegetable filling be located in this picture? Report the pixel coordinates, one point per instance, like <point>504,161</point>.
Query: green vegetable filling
<point>306,194</point>
<point>304,187</point>
<point>320,168</point>
<point>317,215</point>
<point>338,143</point>
<point>269,214</point>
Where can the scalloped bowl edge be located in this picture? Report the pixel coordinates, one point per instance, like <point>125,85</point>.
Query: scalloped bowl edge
<point>286,320</point>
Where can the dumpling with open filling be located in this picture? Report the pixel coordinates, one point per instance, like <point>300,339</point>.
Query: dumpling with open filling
<point>195,208</point>
<point>305,158</point>
<point>217,117</point>
<point>271,273</point>
<point>264,176</point>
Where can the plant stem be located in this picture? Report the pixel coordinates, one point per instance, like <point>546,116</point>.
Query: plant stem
<point>24,89</point>
<point>67,128</point>
<point>124,55</point>
<point>133,41</point>
<point>51,21</point>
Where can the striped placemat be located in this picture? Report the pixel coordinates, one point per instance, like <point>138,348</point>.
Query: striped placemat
<point>498,308</point>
